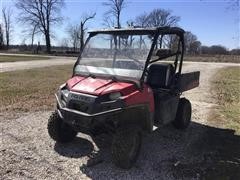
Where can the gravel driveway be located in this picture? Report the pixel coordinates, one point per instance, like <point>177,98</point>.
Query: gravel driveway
<point>27,152</point>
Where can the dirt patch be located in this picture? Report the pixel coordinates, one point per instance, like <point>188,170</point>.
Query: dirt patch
<point>200,152</point>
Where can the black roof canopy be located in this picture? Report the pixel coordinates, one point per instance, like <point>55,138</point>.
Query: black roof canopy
<point>140,31</point>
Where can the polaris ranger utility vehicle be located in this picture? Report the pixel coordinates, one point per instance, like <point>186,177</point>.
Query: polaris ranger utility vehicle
<point>121,86</point>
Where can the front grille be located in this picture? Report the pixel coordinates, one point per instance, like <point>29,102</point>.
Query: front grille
<point>79,106</point>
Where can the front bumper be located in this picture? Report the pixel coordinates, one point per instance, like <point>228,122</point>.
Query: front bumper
<point>84,121</point>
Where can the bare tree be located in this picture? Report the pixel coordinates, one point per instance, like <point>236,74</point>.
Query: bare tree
<point>142,20</point>
<point>108,21</point>
<point>85,19</point>
<point>43,13</point>
<point>77,32</point>
<point>192,45</point>
<point>218,49</point>
<point>233,5</point>
<point>162,17</point>
<point>235,52</point>
<point>73,31</point>
<point>64,44</point>
<point>157,18</point>
<point>33,32</point>
<point>195,47</point>
<point>115,9</point>
<point>7,13</point>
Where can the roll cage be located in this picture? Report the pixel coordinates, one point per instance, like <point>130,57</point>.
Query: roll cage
<point>156,33</point>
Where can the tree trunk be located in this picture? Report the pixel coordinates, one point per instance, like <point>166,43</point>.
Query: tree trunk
<point>111,43</point>
<point>141,42</point>
<point>81,36</point>
<point>32,43</point>
<point>119,26</point>
<point>74,47</point>
<point>48,42</point>
<point>118,20</point>
<point>33,33</point>
<point>7,39</point>
<point>161,41</point>
<point>1,38</point>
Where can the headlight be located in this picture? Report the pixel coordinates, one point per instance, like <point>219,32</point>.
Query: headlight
<point>114,96</point>
<point>65,93</point>
<point>62,86</point>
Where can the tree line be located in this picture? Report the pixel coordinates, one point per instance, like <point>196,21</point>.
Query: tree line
<point>40,16</point>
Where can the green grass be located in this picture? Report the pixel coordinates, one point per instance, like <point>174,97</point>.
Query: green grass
<point>31,90</point>
<point>13,58</point>
<point>226,85</point>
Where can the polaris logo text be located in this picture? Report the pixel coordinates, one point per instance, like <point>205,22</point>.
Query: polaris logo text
<point>82,98</point>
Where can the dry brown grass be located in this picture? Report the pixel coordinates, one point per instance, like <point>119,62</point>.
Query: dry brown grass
<point>213,58</point>
<point>31,90</point>
<point>11,58</point>
<point>226,86</point>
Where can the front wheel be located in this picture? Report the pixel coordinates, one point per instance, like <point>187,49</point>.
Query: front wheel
<point>58,130</point>
<point>184,113</point>
<point>126,146</point>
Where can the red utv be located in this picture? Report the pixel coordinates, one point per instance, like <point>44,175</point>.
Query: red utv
<point>121,86</point>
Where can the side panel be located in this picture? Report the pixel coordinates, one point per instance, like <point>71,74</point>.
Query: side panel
<point>142,109</point>
<point>165,108</point>
<point>141,97</point>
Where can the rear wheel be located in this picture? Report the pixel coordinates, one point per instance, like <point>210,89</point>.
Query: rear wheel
<point>184,113</point>
<point>126,147</point>
<point>58,130</point>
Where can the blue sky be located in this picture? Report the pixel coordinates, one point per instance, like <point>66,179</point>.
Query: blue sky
<point>211,21</point>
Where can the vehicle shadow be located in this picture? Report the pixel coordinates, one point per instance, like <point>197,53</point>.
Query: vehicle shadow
<point>79,147</point>
<point>200,152</point>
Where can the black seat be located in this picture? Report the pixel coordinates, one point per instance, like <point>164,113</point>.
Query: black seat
<point>161,53</point>
<point>160,76</point>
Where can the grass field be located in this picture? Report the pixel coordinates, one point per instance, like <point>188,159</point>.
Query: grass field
<point>31,90</point>
<point>12,58</point>
<point>227,88</point>
<point>213,58</point>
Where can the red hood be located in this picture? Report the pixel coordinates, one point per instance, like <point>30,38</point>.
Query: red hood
<point>97,86</point>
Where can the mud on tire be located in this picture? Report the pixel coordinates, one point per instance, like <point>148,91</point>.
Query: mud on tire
<point>58,130</point>
<point>126,147</point>
<point>184,113</point>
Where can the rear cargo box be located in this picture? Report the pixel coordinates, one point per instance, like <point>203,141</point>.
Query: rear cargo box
<point>188,81</point>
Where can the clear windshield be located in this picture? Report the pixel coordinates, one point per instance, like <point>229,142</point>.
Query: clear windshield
<point>114,55</point>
